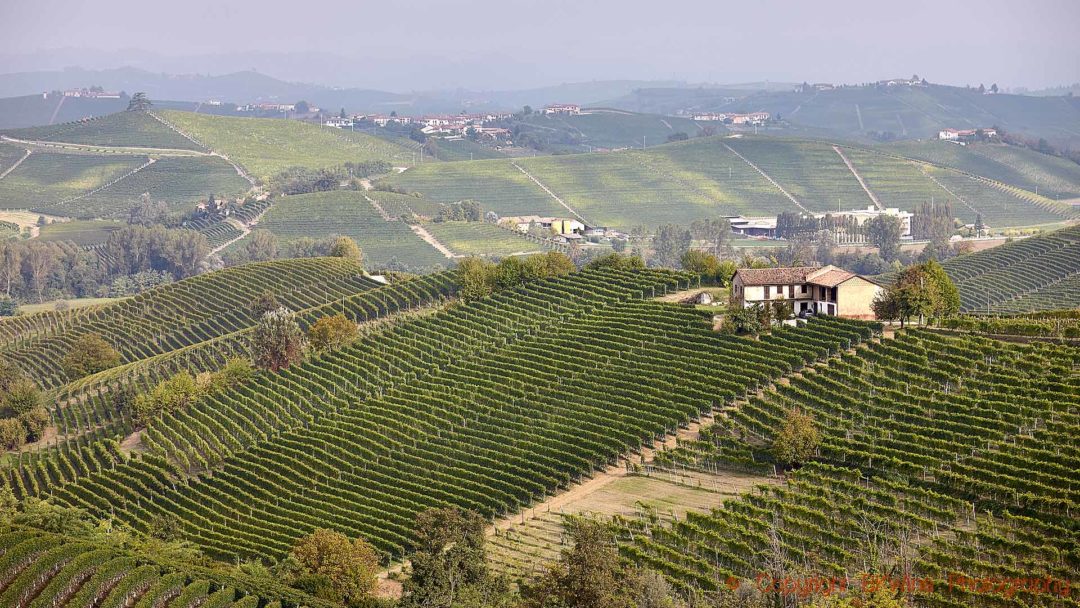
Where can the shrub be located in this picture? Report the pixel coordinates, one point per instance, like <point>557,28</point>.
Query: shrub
<point>89,354</point>
<point>329,333</point>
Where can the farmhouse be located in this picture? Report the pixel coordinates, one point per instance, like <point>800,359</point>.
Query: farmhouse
<point>964,135</point>
<point>753,118</point>
<point>562,108</point>
<point>709,116</point>
<point>339,123</point>
<point>825,290</point>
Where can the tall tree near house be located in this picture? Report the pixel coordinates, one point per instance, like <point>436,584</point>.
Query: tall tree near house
<point>883,232</point>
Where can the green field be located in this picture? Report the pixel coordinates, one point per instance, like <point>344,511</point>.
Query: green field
<point>80,232</point>
<point>179,181</point>
<point>265,146</point>
<point>463,149</point>
<point>397,205</point>
<point>9,155</point>
<point>46,179</point>
<point>704,177</point>
<point>122,129</point>
<point>349,213</point>
<point>609,128</point>
<point>480,238</point>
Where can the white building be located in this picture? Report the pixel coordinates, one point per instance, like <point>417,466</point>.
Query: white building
<point>562,108</point>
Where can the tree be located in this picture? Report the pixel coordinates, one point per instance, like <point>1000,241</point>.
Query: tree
<point>670,243</point>
<point>171,395</point>
<point>680,136</point>
<point>11,256</point>
<point>477,277</point>
<point>264,303</point>
<point>887,306</point>
<point>349,566</point>
<point>883,232</point>
<point>527,110</point>
<point>450,561</point>
<point>302,107</point>
<point>262,246</point>
<point>797,438</point>
<point>139,102</point>
<point>89,354</point>
<point>345,247</point>
<point>329,333</point>
<point>587,575</point>
<point>277,341</point>
<point>922,290</point>
<point>946,295</point>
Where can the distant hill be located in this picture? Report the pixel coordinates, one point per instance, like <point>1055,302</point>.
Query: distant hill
<point>905,112</point>
<point>265,146</point>
<point>751,176</point>
<point>603,128</point>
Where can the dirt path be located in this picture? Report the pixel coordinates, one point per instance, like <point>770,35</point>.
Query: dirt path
<point>15,166</point>
<point>56,110</point>
<point>133,443</point>
<point>768,177</point>
<point>858,114</point>
<point>379,208</point>
<point>550,193</point>
<point>870,193</point>
<point>430,239</point>
<point>112,183</point>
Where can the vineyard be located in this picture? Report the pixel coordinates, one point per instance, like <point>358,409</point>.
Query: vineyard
<point>266,146</point>
<point>752,176</point>
<point>350,213</point>
<point>122,129</point>
<point>490,428</point>
<point>43,569</point>
<point>80,232</point>
<point>1029,274</point>
<point>179,181</point>
<point>46,179</point>
<point>933,460</point>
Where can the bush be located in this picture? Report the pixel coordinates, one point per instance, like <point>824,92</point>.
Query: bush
<point>329,333</point>
<point>89,354</point>
<point>12,434</point>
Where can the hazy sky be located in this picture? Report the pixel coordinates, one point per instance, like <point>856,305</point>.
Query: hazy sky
<point>499,44</point>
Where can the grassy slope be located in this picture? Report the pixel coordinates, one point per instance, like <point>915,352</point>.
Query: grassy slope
<point>81,232</point>
<point>266,146</point>
<point>349,213</point>
<point>607,128</point>
<point>125,129</point>
<point>478,238</point>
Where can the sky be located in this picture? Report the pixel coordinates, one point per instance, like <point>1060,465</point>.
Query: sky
<point>407,45</point>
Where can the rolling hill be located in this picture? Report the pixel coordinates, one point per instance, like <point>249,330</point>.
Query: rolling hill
<point>751,176</point>
<point>604,128</point>
<point>121,129</point>
<point>267,146</point>
<point>904,111</point>
<point>350,213</point>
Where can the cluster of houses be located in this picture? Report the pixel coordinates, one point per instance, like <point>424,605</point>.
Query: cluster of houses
<point>963,136</point>
<point>765,227</point>
<point>563,230</point>
<point>91,93</point>
<point>731,118</point>
<point>566,109</point>
<point>271,107</point>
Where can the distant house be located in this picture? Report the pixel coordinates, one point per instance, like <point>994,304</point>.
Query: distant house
<point>562,108</point>
<point>709,116</point>
<point>762,227</point>
<point>339,123</point>
<point>825,290</point>
<point>965,135</point>
<point>555,224</point>
<point>91,94</point>
<point>753,118</point>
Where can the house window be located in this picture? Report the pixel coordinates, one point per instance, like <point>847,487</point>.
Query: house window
<point>802,289</point>
<point>768,291</point>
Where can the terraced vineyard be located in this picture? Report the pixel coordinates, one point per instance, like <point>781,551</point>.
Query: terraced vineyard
<point>495,184</point>
<point>266,146</point>
<point>177,180</point>
<point>43,569</point>
<point>177,315</point>
<point>350,213</point>
<point>490,429</point>
<point>122,129</point>
<point>939,469</point>
<point>45,180</point>
<point>88,420</point>
<point>1029,270</point>
<point>483,239</point>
